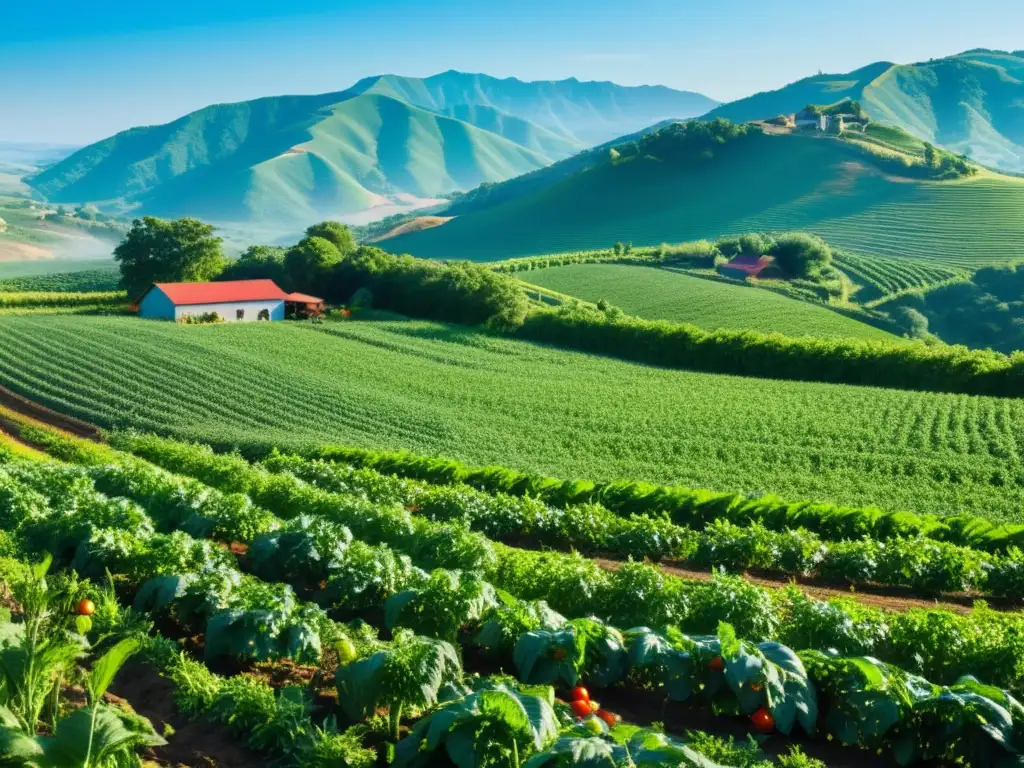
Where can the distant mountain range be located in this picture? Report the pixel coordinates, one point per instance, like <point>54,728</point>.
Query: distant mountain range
<point>972,102</point>
<point>386,141</point>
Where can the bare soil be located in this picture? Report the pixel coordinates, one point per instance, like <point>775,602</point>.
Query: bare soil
<point>190,743</point>
<point>45,415</point>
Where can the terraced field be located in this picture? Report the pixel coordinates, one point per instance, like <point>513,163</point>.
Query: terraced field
<point>881,277</point>
<point>660,294</point>
<point>769,184</point>
<point>442,390</point>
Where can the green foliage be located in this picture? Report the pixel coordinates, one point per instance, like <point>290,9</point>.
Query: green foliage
<point>155,250</point>
<point>800,254</point>
<point>334,232</point>
<point>497,726</point>
<point>408,674</point>
<point>259,262</point>
<point>664,294</point>
<point>847,361</point>
<point>307,262</point>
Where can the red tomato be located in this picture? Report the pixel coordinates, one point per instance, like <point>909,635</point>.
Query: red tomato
<point>579,693</point>
<point>763,720</point>
<point>86,608</point>
<point>717,664</point>
<point>609,717</point>
<point>580,708</point>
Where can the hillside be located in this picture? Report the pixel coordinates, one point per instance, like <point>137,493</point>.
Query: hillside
<point>649,192</point>
<point>386,142</point>
<point>664,294</point>
<point>972,102</point>
<point>582,113</point>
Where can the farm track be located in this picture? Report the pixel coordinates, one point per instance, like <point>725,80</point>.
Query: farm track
<point>44,415</point>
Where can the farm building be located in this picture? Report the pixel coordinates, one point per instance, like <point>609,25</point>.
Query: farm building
<point>744,266</point>
<point>234,300</point>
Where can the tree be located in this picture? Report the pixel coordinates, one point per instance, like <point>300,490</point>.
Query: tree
<point>801,255</point>
<point>308,261</point>
<point>156,250</point>
<point>334,232</point>
<point>930,155</point>
<point>259,262</point>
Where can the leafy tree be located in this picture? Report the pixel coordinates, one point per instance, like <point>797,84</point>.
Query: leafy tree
<point>336,233</point>
<point>156,250</point>
<point>259,262</point>
<point>307,262</point>
<point>801,255</point>
<point>931,157</point>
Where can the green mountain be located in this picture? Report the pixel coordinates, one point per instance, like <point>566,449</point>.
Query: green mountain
<point>972,102</point>
<point>583,113</point>
<point>870,195</point>
<point>387,141</point>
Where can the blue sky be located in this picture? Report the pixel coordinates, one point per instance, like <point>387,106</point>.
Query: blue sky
<point>75,72</point>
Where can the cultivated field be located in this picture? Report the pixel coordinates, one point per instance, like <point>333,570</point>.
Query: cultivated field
<point>772,184</point>
<point>451,391</point>
<point>662,294</point>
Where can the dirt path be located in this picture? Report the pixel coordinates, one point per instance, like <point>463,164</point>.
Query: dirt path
<point>41,413</point>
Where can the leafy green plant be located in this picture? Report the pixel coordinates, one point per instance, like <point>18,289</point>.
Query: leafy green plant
<point>97,735</point>
<point>447,603</point>
<point>583,648</point>
<point>497,726</point>
<point>407,675</point>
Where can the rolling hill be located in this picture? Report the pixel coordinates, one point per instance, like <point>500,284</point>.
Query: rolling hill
<point>972,102</point>
<point>664,294</point>
<point>386,141</point>
<point>837,189</point>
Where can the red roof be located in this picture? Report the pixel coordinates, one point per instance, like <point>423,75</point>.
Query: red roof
<point>752,265</point>
<point>303,298</point>
<point>220,293</point>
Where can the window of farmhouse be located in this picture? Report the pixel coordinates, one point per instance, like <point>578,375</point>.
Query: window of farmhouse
<point>239,314</point>
<point>264,314</point>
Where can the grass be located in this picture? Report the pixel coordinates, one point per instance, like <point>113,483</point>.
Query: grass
<point>444,390</point>
<point>771,183</point>
<point>660,294</point>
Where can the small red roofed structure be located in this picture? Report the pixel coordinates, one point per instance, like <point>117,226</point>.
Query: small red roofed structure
<point>302,304</point>
<point>745,265</point>
<point>231,300</point>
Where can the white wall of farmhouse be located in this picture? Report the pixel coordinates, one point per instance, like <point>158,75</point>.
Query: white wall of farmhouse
<point>229,311</point>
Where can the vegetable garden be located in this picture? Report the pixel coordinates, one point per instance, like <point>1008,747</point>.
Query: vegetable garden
<point>441,624</point>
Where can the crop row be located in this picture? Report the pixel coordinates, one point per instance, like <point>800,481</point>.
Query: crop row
<point>487,399</point>
<point>683,506</point>
<point>939,644</point>
<point>894,275</point>
<point>57,504</point>
<point>919,563</point>
<point>720,671</point>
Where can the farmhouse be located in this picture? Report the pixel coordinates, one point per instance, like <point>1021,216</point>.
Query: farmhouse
<point>744,266</point>
<point>243,301</point>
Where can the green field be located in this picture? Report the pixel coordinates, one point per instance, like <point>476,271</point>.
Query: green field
<point>661,294</point>
<point>767,183</point>
<point>446,390</point>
